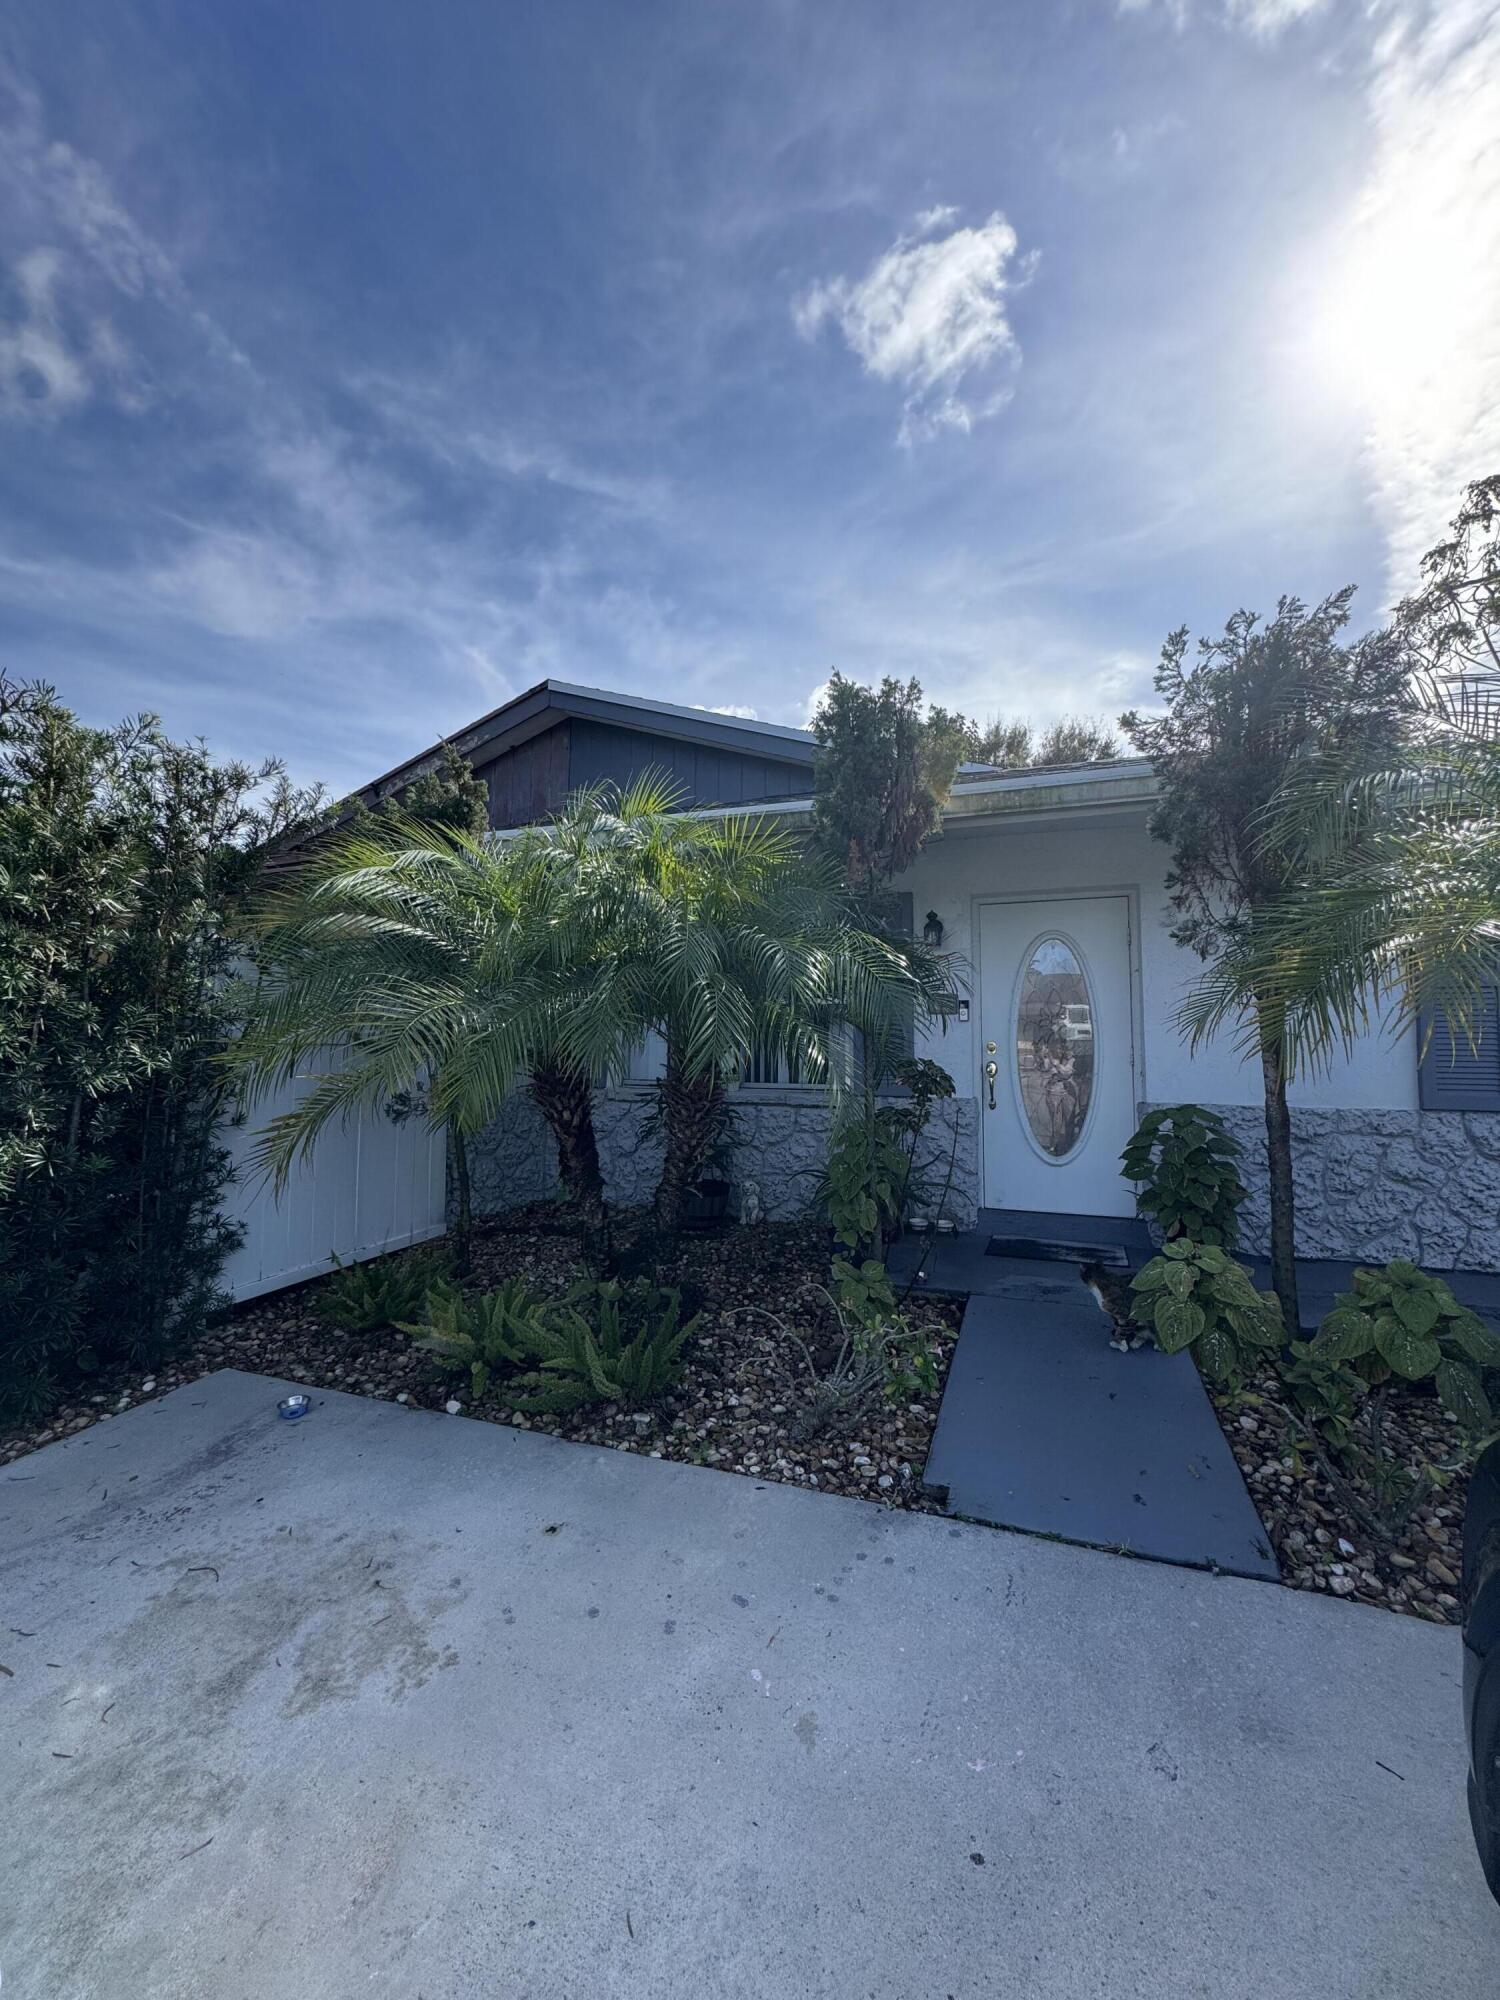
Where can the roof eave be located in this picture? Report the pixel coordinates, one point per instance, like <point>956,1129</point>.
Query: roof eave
<point>1117,787</point>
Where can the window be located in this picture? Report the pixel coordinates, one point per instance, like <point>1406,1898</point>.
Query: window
<point>1455,1076</point>
<point>648,1061</point>
<point>761,1069</point>
<point>1054,1046</point>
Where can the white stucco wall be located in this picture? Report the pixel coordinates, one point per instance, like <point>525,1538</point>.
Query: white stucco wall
<point>1114,852</point>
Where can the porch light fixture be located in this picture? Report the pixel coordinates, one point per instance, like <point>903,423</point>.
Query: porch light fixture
<point>932,930</point>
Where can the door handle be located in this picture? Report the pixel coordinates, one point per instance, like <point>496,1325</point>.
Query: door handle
<point>991,1071</point>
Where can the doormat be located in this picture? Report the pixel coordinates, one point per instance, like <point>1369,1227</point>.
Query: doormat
<point>1053,1251</point>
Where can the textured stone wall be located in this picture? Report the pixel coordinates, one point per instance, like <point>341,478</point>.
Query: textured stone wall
<point>1371,1185</point>
<point>513,1160</point>
<point>778,1145</point>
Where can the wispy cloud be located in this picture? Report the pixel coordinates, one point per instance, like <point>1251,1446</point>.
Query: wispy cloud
<point>61,197</point>
<point>369,519</point>
<point>1264,18</point>
<point>932,316</point>
<point>1269,17</point>
<point>41,371</point>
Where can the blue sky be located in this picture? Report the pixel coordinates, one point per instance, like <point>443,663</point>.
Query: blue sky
<point>361,365</point>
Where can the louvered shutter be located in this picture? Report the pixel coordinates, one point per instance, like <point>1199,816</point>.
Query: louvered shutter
<point>1456,1075</point>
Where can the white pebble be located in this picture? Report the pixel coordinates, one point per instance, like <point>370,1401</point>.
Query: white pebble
<point>403,1397</point>
<point>452,1407</point>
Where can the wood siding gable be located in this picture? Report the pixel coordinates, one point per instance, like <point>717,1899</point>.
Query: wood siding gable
<point>531,782</point>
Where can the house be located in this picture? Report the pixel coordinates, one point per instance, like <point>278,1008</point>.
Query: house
<point>1049,886</point>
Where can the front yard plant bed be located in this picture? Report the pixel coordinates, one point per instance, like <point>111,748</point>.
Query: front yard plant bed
<point>743,1385</point>
<point>1317,1543</point>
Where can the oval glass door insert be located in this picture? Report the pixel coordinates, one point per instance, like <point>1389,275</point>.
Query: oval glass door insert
<point>1055,1046</point>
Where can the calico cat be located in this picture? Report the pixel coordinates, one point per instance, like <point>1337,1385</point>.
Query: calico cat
<point>1111,1290</point>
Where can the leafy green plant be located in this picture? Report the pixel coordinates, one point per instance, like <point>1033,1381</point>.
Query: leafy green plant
<point>609,1343</point>
<point>1394,1326</point>
<point>125,860</point>
<point>503,1328</point>
<point>1186,1163</point>
<point>1194,1295</point>
<point>1325,1394</point>
<point>863,1289</point>
<point>360,1297</point>
<point>882,773</point>
<point>874,1171</point>
<point>1402,1321</point>
<point>864,1183</point>
<point>925,1083</point>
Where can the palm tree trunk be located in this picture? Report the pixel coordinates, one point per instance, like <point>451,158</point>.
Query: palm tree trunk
<point>565,1098</point>
<point>692,1107</point>
<point>1279,1172</point>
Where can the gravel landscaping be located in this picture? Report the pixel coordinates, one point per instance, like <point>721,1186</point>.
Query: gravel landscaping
<point>1318,1543</point>
<point>744,1387</point>
<point>736,1407</point>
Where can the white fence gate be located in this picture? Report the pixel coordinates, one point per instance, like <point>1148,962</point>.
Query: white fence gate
<point>369,1185</point>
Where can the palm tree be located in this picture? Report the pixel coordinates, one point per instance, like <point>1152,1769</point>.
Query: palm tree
<point>459,965</point>
<point>436,963</point>
<point>1397,910</point>
<point>1396,852</point>
<point>730,938</point>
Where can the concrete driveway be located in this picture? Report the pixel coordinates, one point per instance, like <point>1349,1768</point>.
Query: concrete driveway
<point>388,1703</point>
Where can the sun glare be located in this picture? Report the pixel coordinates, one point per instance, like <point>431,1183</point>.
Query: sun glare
<point>1391,305</point>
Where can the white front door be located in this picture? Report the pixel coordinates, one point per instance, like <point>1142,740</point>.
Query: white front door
<point>1055,1020</point>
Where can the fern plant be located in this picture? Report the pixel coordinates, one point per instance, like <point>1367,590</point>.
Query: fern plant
<point>503,1328</point>
<point>360,1297</point>
<point>630,1353</point>
<point>1184,1159</point>
<point>1195,1295</point>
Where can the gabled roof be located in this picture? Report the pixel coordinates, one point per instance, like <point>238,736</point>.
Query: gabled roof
<point>979,789</point>
<point>550,701</point>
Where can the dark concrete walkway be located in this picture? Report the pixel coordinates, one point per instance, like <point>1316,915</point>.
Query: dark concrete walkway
<point>961,1263</point>
<point>1047,1428</point>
